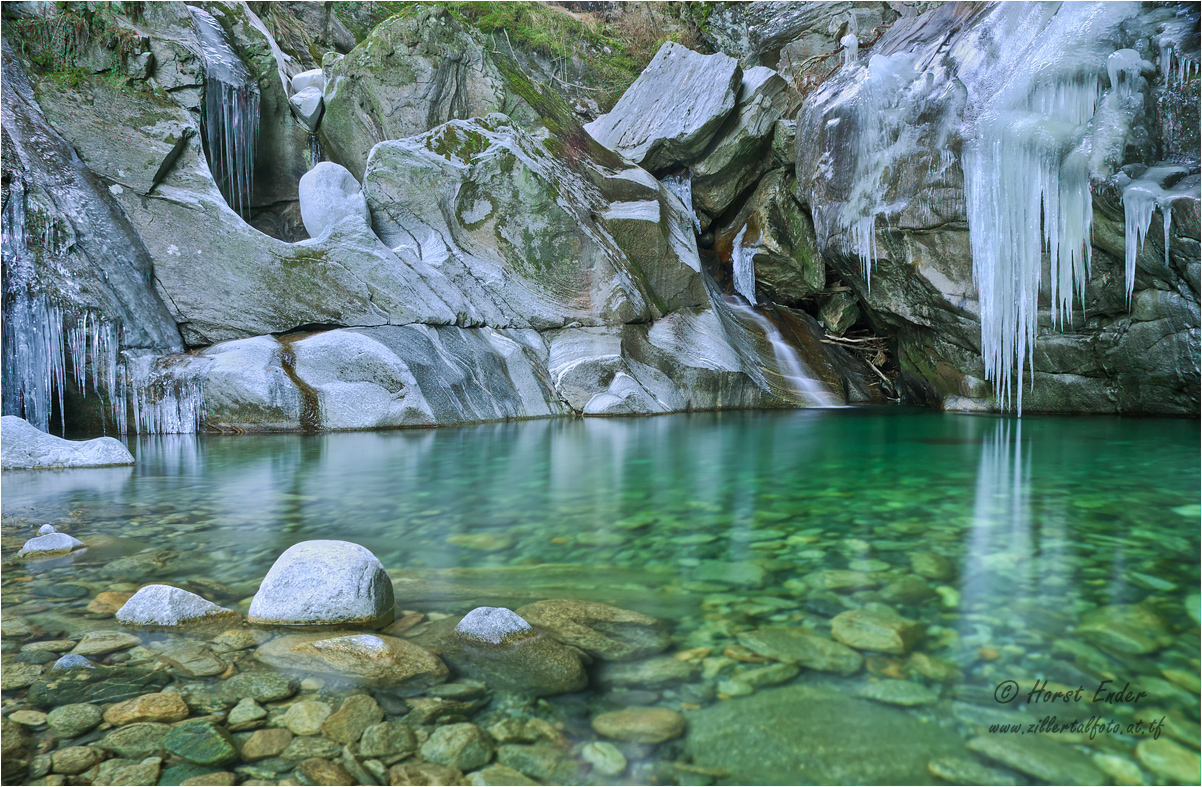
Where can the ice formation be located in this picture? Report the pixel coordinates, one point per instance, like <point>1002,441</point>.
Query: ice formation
<point>1141,198</point>
<point>742,263</point>
<point>231,114</point>
<point>851,47</point>
<point>681,184</point>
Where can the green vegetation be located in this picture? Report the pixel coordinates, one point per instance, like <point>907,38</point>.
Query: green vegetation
<point>56,44</point>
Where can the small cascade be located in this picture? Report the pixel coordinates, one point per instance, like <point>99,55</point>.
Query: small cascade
<point>797,376</point>
<point>231,114</point>
<point>316,155</point>
<point>742,263</point>
<point>681,184</point>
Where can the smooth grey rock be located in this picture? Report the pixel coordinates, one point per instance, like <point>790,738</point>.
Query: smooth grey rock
<point>672,111</point>
<point>324,583</point>
<point>163,606</point>
<point>46,530</point>
<point>306,107</point>
<point>802,646</point>
<point>25,446</point>
<point>71,662</point>
<point>364,659</point>
<point>493,625</point>
<point>896,692</point>
<point>314,78</point>
<point>736,158</point>
<point>1044,759</point>
<point>53,545</point>
<point>328,194</point>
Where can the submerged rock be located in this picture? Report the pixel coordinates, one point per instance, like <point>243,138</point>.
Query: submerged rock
<point>815,735</point>
<point>498,647</point>
<point>48,546</point>
<point>365,659</point>
<point>802,646</point>
<point>865,629</point>
<point>324,583</point>
<point>329,193</point>
<point>601,630</point>
<point>163,606</point>
<point>672,111</point>
<point>25,446</point>
<point>641,725</point>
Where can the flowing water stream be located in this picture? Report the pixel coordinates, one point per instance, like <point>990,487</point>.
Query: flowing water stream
<point>1058,549</point>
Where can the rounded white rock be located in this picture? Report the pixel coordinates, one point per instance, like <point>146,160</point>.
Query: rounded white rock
<point>493,624</point>
<point>50,545</point>
<point>317,583</point>
<point>328,194</point>
<point>166,606</point>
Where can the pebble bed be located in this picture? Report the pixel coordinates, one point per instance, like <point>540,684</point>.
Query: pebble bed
<point>891,571</point>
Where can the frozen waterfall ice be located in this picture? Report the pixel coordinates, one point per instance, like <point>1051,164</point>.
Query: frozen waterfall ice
<point>681,184</point>
<point>742,263</point>
<point>231,114</point>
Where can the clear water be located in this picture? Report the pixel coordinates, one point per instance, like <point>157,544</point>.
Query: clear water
<point>707,521</point>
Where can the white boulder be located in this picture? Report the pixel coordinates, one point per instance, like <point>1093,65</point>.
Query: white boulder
<point>306,107</point>
<point>306,79</point>
<point>329,193</point>
<point>46,530</point>
<point>166,606</point>
<point>25,446</point>
<point>51,545</point>
<point>324,583</point>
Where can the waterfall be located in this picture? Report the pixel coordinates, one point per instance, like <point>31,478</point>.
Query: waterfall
<point>742,263</point>
<point>315,153</point>
<point>231,114</point>
<point>681,184</point>
<point>798,377</point>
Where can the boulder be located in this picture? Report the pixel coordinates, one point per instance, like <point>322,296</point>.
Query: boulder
<point>601,630</point>
<point>306,106</point>
<point>329,193</point>
<point>317,583</point>
<point>25,446</point>
<point>498,647</point>
<point>163,606</point>
<point>672,111</point>
<point>53,545</point>
<point>313,78</point>
<point>364,659</point>
<point>415,71</point>
<point>735,159</point>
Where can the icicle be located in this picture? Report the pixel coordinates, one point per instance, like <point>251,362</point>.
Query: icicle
<point>1124,67</point>
<point>231,114</point>
<point>742,261</point>
<point>166,395</point>
<point>1141,198</point>
<point>681,184</point>
<point>851,47</point>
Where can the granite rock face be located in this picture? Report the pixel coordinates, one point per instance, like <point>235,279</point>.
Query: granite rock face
<point>672,111</point>
<point>414,72</point>
<point>25,446</point>
<point>322,583</point>
<point>50,545</point>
